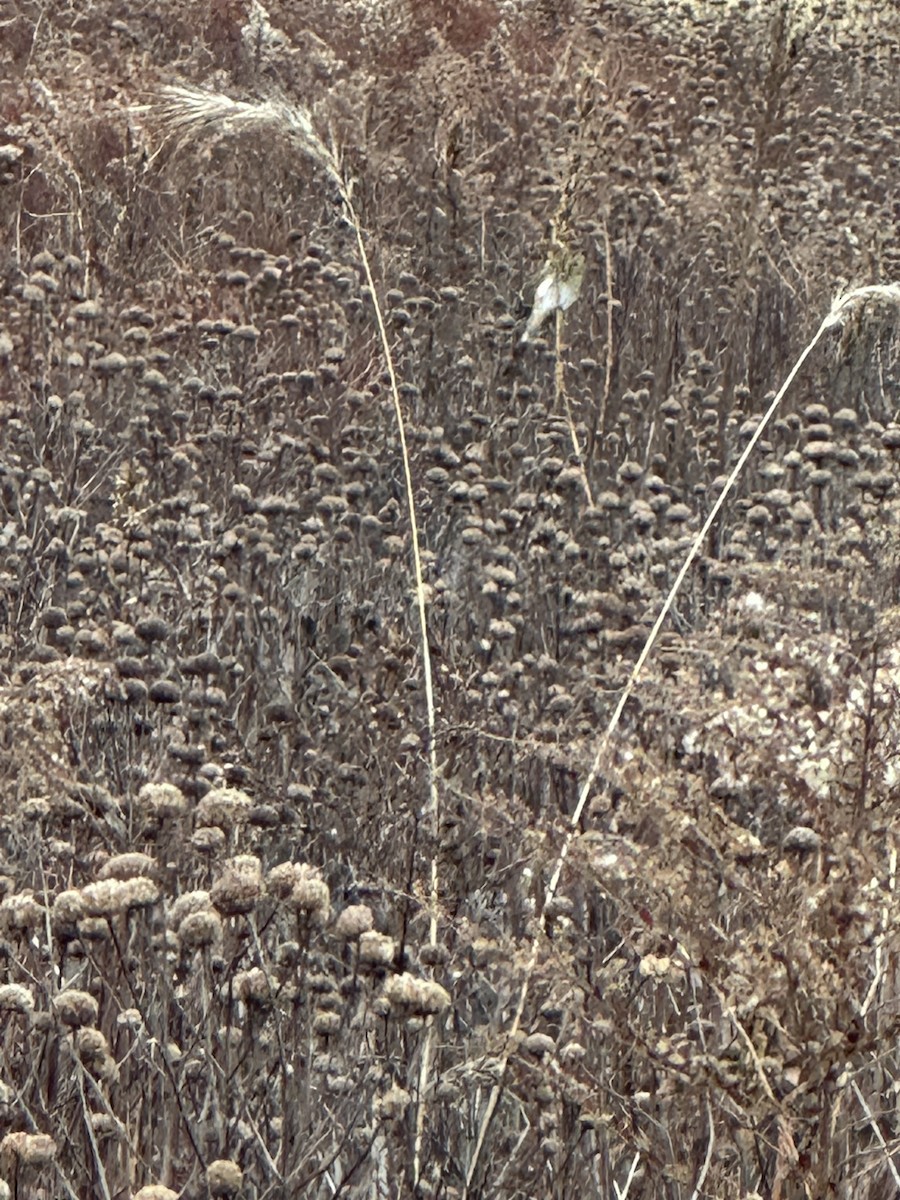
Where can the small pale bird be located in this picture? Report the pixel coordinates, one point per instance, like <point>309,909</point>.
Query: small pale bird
<point>558,289</point>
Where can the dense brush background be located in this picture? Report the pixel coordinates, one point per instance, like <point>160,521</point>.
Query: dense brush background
<point>210,663</point>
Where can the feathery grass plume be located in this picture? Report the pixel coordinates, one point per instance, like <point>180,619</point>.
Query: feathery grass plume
<point>188,112</point>
<point>885,298</point>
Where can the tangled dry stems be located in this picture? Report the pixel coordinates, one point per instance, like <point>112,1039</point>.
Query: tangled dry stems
<point>223,912</point>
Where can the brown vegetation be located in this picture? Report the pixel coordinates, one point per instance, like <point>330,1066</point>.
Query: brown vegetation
<point>267,917</point>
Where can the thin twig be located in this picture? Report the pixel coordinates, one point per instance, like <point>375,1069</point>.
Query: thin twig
<point>95,1149</point>
<point>879,1136</point>
<point>560,387</point>
<point>704,1170</point>
<point>880,940</point>
<point>622,1193</point>
<point>610,344</point>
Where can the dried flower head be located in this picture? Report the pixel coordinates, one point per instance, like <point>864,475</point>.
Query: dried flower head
<point>538,1044</point>
<point>93,1049</point>
<point>303,887</point>
<point>354,921</point>
<point>162,800</point>
<point>655,966</point>
<point>225,807</point>
<point>29,1149</point>
<point>155,1191</point>
<point>412,997</point>
<point>224,1178</point>
<point>115,897</point>
<point>91,1044</point>
<point>208,839</point>
<point>20,913</point>
<point>280,880</point>
<point>802,839</point>
<point>200,930</point>
<point>376,949</point>
<point>104,1124</point>
<point>253,986</point>
<point>75,1008</point>
<point>127,866</point>
<point>326,1023</point>
<point>239,887</point>
<point>186,904</point>
<point>130,1018</point>
<point>65,913</point>
<point>14,998</point>
<point>310,894</point>
<point>393,1104</point>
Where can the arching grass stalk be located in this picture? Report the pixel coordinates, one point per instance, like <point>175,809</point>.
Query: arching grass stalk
<point>189,111</point>
<point>843,307</point>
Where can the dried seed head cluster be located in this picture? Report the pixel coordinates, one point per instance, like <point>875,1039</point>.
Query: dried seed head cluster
<point>302,887</point>
<point>116,897</point>
<point>76,1008</point>
<point>27,1149</point>
<point>412,997</point>
<point>224,1178</point>
<point>239,886</point>
<point>353,922</point>
<point>14,998</point>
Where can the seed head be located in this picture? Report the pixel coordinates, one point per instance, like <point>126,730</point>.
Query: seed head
<point>225,807</point>
<point>114,897</point>
<point>16,998</point>
<point>200,929</point>
<point>76,1008</point>
<point>353,921</point>
<point>376,949</point>
<point>30,1149</point>
<point>239,887</point>
<point>412,997</point>
<point>224,1178</point>
<point>127,866</point>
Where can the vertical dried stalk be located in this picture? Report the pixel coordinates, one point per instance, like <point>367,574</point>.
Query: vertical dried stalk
<point>842,307</point>
<point>188,111</point>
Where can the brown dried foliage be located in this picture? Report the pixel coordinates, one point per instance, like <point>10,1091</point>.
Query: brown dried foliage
<point>209,658</point>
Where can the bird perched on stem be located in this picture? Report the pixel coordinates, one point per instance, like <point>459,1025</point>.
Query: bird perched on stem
<point>558,289</point>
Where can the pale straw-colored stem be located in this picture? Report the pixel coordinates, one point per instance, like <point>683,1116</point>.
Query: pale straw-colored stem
<point>887,294</point>
<point>185,109</point>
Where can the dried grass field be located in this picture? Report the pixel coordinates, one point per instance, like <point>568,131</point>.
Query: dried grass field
<point>449,600</point>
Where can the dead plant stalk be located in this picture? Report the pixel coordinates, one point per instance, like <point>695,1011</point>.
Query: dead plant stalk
<point>844,306</point>
<point>189,111</point>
